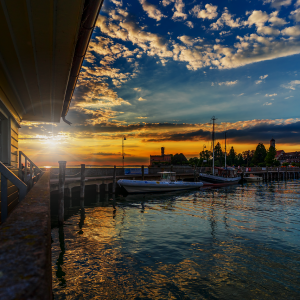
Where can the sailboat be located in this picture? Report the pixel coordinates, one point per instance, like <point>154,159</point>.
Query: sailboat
<point>226,175</point>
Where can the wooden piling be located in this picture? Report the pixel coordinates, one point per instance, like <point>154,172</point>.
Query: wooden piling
<point>106,187</point>
<point>285,173</point>
<point>31,176</point>
<point>114,180</point>
<point>82,181</point>
<point>61,190</point>
<point>143,172</point>
<point>98,188</point>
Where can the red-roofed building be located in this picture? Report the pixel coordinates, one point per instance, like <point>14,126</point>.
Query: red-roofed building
<point>163,158</point>
<point>278,154</point>
<point>290,157</point>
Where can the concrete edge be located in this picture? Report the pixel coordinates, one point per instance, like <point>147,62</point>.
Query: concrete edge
<point>25,247</point>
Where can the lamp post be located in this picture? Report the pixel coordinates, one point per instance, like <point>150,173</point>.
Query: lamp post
<point>123,139</point>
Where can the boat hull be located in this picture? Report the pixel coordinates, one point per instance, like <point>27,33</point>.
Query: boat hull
<point>218,179</point>
<point>138,186</point>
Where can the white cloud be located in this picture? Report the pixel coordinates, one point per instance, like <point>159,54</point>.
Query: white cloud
<point>189,24</point>
<point>288,97</point>
<point>271,95</point>
<point>137,89</point>
<point>275,20</point>
<point>266,30</point>
<point>263,76</point>
<point>228,83</point>
<point>291,85</point>
<point>258,81</point>
<point>257,18</point>
<point>210,12</point>
<point>141,99</point>
<point>278,3</point>
<point>151,10</point>
<point>141,117</point>
<point>295,15</point>
<point>178,11</point>
<point>166,2</point>
<point>297,3</point>
<point>117,2</point>
<point>225,19</point>
<point>268,103</point>
<point>241,94</point>
<point>291,31</point>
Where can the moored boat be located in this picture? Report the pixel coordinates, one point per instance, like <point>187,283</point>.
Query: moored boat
<point>167,183</point>
<point>253,178</point>
<point>224,175</point>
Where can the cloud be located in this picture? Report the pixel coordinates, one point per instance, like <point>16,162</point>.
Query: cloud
<point>189,24</point>
<point>258,81</point>
<point>268,103</point>
<point>266,30</point>
<point>291,85</point>
<point>278,3</point>
<point>151,10</point>
<point>295,15</point>
<point>263,76</point>
<point>257,18</point>
<point>271,95</point>
<point>228,83</point>
<point>141,99</point>
<point>142,117</point>
<point>179,15</point>
<point>275,20</point>
<point>226,19</point>
<point>291,31</point>
<point>210,12</point>
<point>241,94</point>
<point>137,89</point>
<point>288,97</point>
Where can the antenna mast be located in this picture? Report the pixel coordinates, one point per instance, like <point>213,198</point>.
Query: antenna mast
<point>213,141</point>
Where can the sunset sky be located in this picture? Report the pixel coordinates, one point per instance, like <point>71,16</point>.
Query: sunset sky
<point>157,71</point>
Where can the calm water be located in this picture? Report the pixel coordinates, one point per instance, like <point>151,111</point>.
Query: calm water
<point>239,242</point>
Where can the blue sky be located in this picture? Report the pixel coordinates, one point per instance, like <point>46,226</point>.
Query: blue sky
<point>156,68</point>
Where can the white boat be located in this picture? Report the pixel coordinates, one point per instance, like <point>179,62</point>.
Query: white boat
<point>167,183</point>
<point>224,175</point>
<point>253,178</point>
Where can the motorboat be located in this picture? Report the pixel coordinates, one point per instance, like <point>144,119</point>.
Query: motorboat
<point>253,178</point>
<point>167,183</point>
<point>224,175</point>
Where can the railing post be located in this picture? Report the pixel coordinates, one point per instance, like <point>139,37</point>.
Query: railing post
<point>3,198</point>
<point>82,182</point>
<point>143,172</point>
<point>61,190</point>
<point>286,173</point>
<point>20,165</point>
<point>25,171</point>
<point>31,173</point>
<point>114,180</point>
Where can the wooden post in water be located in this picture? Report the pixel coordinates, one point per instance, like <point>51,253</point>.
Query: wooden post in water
<point>98,188</point>
<point>171,168</point>
<point>143,172</point>
<point>106,187</point>
<point>267,174</point>
<point>277,173</point>
<point>82,181</point>
<point>61,190</point>
<point>285,173</point>
<point>114,180</point>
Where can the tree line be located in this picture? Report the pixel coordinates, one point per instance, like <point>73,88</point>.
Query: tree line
<point>260,157</point>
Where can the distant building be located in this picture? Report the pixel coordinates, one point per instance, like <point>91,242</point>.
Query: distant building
<point>163,158</point>
<point>290,157</point>
<point>272,142</point>
<point>278,154</point>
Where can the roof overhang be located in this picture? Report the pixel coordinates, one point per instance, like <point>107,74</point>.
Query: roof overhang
<point>42,47</point>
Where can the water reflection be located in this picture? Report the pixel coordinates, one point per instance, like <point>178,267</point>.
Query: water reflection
<point>239,242</point>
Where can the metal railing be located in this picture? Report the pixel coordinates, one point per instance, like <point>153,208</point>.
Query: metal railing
<point>6,174</point>
<point>34,171</point>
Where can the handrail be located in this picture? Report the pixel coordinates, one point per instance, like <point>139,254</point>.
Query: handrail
<point>6,174</point>
<point>26,157</point>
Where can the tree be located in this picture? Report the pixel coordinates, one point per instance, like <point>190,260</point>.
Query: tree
<point>259,154</point>
<point>194,161</point>
<point>179,159</point>
<point>231,156</point>
<point>270,157</point>
<point>218,154</point>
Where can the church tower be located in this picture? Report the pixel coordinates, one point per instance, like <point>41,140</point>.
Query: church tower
<point>272,142</point>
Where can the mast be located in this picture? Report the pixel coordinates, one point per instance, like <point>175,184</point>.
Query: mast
<point>213,141</point>
<point>225,149</point>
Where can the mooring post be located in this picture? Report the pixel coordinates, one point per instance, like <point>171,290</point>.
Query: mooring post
<point>61,190</point>
<point>106,187</point>
<point>143,172</point>
<point>285,172</point>
<point>171,168</point>
<point>278,174</point>
<point>98,188</point>
<point>114,180</point>
<point>242,175</point>
<point>82,181</point>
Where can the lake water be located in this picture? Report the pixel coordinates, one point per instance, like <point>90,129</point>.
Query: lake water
<point>239,242</point>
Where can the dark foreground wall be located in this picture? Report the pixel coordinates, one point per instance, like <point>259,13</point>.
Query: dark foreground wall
<point>25,247</point>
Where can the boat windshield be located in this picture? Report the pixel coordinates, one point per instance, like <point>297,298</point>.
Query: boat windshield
<point>168,176</point>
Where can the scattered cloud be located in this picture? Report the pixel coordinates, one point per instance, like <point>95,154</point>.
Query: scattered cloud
<point>278,3</point>
<point>226,19</point>
<point>291,85</point>
<point>151,10</point>
<point>288,97</point>
<point>141,99</point>
<point>137,89</point>
<point>142,117</point>
<point>291,31</point>
<point>210,12</point>
<point>270,95</point>
<point>189,24</point>
<point>179,15</point>
<point>268,103</point>
<point>241,94</point>
<point>228,83</point>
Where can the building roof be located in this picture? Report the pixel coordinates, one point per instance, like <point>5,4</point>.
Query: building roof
<point>42,46</point>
